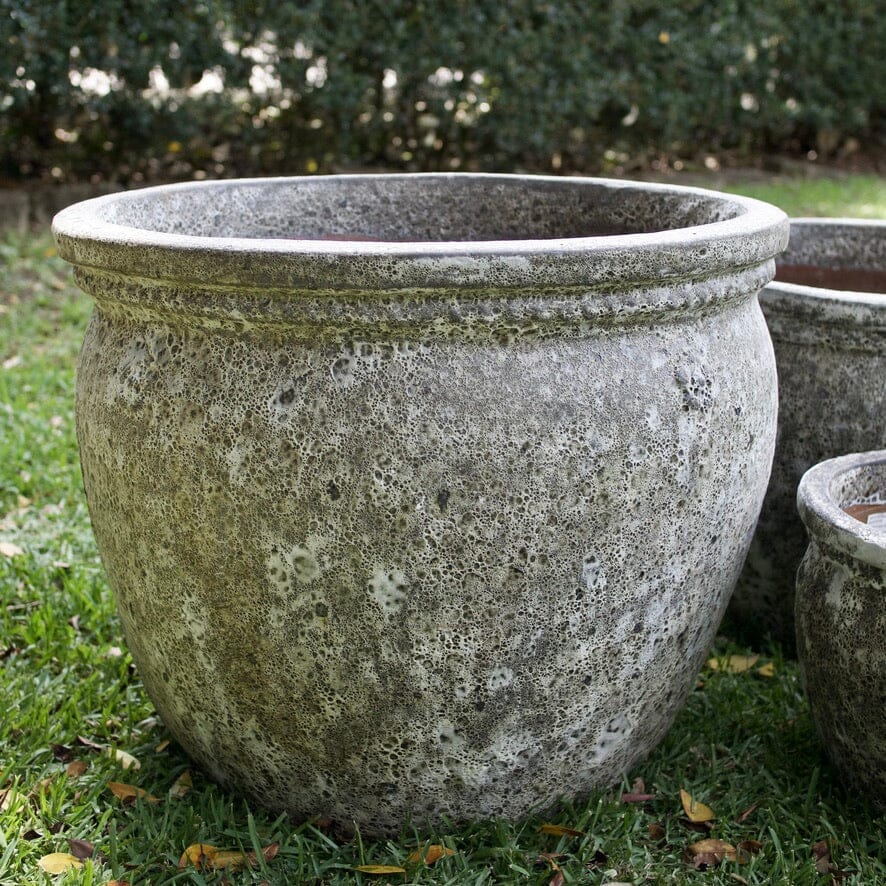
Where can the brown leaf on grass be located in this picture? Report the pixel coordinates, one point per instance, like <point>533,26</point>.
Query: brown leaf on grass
<point>76,768</point>
<point>162,746</point>
<point>746,849</point>
<point>743,816</point>
<point>558,830</point>
<point>549,858</point>
<point>821,852</point>
<point>62,753</point>
<point>59,862</point>
<point>81,849</point>
<point>129,793</point>
<point>87,743</point>
<point>709,853</point>
<point>429,855</point>
<point>637,798</point>
<point>739,879</point>
<point>733,664</point>
<point>557,879</point>
<point>695,811</point>
<point>767,670</point>
<point>8,549</point>
<point>181,785</point>
<point>656,831</point>
<point>379,869</point>
<point>268,853</point>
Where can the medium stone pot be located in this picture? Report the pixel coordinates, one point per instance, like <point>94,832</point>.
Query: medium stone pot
<point>440,522</point>
<point>841,615</point>
<point>830,347</point>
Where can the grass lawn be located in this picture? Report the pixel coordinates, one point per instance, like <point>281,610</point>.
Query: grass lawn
<point>73,707</point>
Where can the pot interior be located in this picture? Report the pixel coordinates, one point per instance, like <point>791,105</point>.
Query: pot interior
<point>416,208</point>
<point>860,491</point>
<point>848,279</point>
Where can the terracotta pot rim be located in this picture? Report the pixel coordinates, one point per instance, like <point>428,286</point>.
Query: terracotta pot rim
<point>751,234</point>
<point>824,517</point>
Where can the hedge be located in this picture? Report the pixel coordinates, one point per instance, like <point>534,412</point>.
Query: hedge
<point>117,89</point>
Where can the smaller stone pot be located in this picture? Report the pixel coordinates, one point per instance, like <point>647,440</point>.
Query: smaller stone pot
<point>841,614</point>
<point>826,312</point>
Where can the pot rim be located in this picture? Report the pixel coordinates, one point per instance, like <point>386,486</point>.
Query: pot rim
<point>755,233</point>
<point>825,519</point>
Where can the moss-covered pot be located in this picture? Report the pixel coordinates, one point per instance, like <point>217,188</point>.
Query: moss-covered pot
<point>841,615</point>
<point>422,495</point>
<point>826,310</point>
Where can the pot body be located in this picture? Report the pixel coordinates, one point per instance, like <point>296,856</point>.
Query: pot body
<point>457,552</point>
<point>841,618</point>
<point>830,348</point>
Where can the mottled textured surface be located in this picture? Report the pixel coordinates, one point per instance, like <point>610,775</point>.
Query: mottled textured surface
<point>841,618</point>
<point>830,348</point>
<point>420,529</point>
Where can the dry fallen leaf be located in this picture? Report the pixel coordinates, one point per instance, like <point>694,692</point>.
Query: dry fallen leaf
<point>128,792</point>
<point>746,849</point>
<point>379,869</point>
<point>76,768</point>
<point>81,849</point>
<point>694,810</point>
<point>181,785</point>
<point>743,816</point>
<point>8,796</point>
<point>429,855</point>
<point>821,852</point>
<point>656,831</point>
<point>710,852</point>
<point>59,862</point>
<point>733,664</point>
<point>558,830</point>
<point>557,879</point>
<point>637,798</point>
<point>8,549</point>
<point>126,760</point>
<point>163,744</point>
<point>767,670</point>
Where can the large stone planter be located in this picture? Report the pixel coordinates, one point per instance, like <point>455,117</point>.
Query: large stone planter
<point>830,348</point>
<point>440,525</point>
<point>841,616</point>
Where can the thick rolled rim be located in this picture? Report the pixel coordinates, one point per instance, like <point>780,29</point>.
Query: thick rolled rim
<point>754,234</point>
<point>825,519</point>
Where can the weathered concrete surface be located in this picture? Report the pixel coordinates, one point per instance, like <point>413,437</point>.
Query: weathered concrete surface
<point>410,529</point>
<point>841,618</point>
<point>830,349</point>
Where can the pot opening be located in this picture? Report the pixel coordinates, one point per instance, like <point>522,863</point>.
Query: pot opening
<point>846,279</point>
<point>860,492</point>
<point>416,208</point>
<point>872,514</point>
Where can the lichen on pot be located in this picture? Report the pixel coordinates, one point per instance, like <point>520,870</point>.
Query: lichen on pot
<point>422,496</point>
<point>841,614</point>
<point>826,311</point>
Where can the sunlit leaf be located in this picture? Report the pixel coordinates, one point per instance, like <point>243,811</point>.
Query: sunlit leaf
<point>197,854</point>
<point>767,670</point>
<point>59,862</point>
<point>130,792</point>
<point>126,760</point>
<point>558,830</point>
<point>379,869</point>
<point>694,810</point>
<point>430,854</point>
<point>733,664</point>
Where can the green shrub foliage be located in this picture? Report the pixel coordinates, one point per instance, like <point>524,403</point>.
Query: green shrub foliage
<point>155,88</point>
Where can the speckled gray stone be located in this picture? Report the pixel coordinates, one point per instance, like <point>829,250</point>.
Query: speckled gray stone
<point>440,525</point>
<point>830,348</point>
<point>841,617</point>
